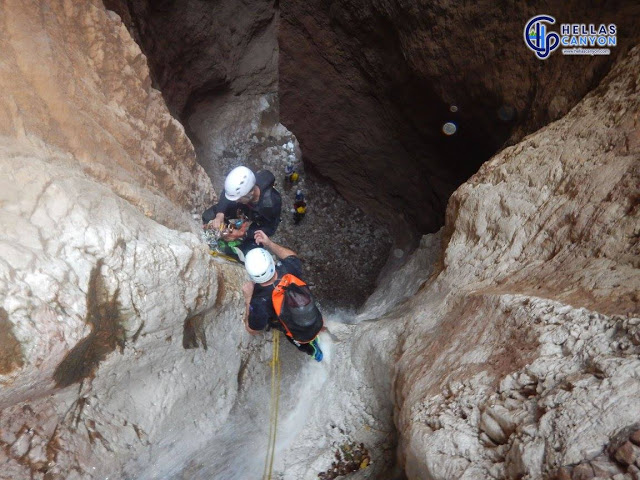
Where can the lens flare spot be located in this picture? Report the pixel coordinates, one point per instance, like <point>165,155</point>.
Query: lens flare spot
<point>449,128</point>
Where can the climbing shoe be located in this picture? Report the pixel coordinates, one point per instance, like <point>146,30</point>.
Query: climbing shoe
<point>317,353</point>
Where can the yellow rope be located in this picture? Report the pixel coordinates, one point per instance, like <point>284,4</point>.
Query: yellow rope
<point>215,253</point>
<point>275,401</point>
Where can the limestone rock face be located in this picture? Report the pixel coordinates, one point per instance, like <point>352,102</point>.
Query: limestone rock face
<point>98,306</point>
<point>403,282</point>
<point>75,82</point>
<point>520,359</point>
<point>216,65</point>
<point>199,49</point>
<point>108,299</point>
<point>367,86</point>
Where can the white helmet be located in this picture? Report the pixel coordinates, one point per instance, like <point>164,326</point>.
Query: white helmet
<point>238,183</point>
<point>259,264</point>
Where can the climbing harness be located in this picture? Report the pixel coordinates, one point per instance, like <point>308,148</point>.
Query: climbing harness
<point>219,247</point>
<point>275,401</point>
<point>235,223</point>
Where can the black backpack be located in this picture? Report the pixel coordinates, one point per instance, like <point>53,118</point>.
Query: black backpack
<point>296,309</point>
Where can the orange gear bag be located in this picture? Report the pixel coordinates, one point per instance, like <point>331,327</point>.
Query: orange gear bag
<point>296,309</point>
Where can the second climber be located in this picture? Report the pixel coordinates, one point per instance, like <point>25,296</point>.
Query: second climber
<point>252,197</point>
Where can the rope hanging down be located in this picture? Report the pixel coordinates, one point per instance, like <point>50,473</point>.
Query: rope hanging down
<point>275,401</point>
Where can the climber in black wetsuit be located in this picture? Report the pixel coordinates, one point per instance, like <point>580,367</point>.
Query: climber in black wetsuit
<point>252,195</point>
<point>266,275</point>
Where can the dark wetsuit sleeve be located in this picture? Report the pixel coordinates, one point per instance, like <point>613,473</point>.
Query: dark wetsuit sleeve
<point>208,215</point>
<point>259,312</point>
<point>268,214</point>
<point>224,205</point>
<point>293,265</point>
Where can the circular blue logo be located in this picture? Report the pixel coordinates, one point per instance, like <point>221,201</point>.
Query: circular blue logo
<point>536,37</point>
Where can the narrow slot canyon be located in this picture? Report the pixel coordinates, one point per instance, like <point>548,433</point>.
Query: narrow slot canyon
<point>471,237</point>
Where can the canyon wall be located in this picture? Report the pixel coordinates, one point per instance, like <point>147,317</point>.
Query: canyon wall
<point>367,87</point>
<point>108,297</point>
<point>512,351</point>
<point>216,64</point>
<point>506,347</point>
<point>521,356</point>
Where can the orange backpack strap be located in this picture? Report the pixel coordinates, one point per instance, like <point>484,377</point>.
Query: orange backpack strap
<point>277,296</point>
